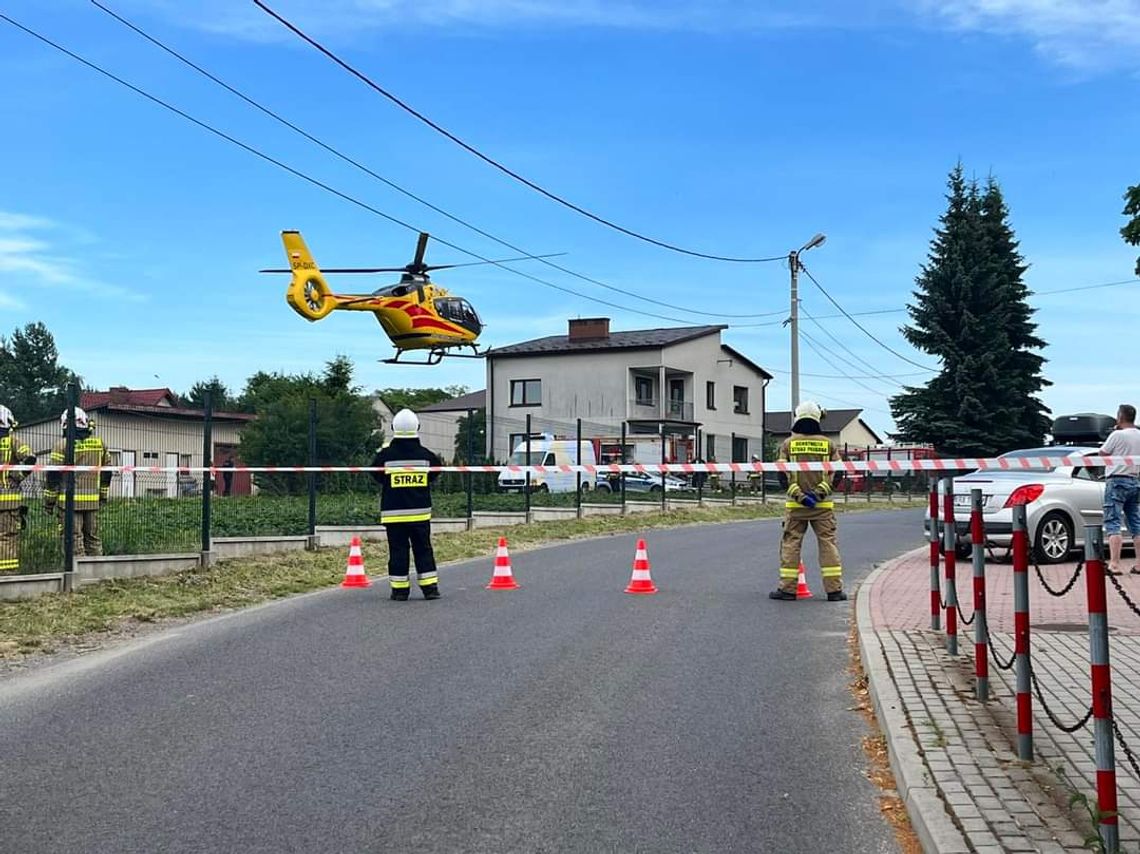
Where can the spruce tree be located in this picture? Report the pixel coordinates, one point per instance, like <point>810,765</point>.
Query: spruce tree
<point>970,312</point>
<point>1131,231</point>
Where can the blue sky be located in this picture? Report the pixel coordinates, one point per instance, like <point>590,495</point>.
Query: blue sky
<point>729,127</point>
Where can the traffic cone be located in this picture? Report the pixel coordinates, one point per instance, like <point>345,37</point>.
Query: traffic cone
<point>502,578</point>
<point>354,575</point>
<point>641,582</point>
<point>802,591</point>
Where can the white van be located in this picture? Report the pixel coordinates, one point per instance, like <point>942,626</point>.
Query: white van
<point>545,450</point>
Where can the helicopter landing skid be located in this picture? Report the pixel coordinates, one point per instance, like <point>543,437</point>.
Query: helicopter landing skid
<point>434,357</point>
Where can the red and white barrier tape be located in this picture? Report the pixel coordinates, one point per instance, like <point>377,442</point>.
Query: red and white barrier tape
<point>847,466</point>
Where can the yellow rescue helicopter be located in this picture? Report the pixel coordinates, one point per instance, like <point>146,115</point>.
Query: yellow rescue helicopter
<point>415,313</point>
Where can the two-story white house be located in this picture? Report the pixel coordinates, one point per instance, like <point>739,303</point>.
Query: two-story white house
<point>700,397</point>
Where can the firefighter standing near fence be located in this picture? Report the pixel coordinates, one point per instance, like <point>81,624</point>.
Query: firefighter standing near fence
<point>405,506</point>
<point>91,487</point>
<point>13,511</point>
<point>809,502</point>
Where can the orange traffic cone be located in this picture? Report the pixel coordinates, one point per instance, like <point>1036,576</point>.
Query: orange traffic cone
<point>502,578</point>
<point>354,575</point>
<point>641,581</point>
<point>802,591</point>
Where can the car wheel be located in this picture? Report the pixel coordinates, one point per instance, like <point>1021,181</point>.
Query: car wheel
<point>1054,538</point>
<point>655,488</point>
<point>603,487</point>
<point>963,550</point>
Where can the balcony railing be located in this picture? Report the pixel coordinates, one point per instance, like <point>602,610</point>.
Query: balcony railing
<point>649,408</point>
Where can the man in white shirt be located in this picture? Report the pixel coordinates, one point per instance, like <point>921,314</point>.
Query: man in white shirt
<point>1122,485</point>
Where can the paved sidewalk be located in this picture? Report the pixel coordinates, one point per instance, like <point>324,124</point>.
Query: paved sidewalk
<point>955,759</point>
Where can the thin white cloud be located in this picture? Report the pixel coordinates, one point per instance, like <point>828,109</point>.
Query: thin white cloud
<point>1089,35</point>
<point>33,253</point>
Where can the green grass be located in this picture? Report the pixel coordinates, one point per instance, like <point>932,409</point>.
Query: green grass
<point>54,620</point>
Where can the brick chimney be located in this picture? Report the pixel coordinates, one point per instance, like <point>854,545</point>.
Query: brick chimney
<point>119,394</point>
<point>589,329</point>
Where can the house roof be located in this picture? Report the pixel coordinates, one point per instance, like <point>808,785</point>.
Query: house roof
<point>171,412</point>
<point>471,400</point>
<point>635,339</point>
<point>128,396</point>
<point>834,421</point>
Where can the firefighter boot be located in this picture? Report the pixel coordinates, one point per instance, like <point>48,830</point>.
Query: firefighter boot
<point>836,596</point>
<point>782,595</point>
<point>430,591</point>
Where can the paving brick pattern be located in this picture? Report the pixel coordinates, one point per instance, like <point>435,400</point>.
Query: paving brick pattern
<point>969,749</point>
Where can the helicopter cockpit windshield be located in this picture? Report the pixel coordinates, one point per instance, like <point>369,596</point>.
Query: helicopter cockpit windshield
<point>458,310</point>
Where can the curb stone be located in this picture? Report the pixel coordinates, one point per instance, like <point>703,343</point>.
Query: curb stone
<point>933,824</point>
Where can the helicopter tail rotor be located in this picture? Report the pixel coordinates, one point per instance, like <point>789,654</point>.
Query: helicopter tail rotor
<point>308,293</point>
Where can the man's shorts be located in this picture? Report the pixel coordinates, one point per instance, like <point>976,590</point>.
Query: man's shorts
<point>1121,498</point>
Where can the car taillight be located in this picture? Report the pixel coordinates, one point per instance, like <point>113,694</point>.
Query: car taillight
<point>1025,494</point>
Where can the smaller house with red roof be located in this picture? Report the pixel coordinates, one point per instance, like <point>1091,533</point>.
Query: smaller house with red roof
<point>151,427</point>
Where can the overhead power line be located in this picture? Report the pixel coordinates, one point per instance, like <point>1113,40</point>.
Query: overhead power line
<point>819,347</point>
<point>316,182</point>
<point>393,185</point>
<point>861,327</point>
<point>403,105</point>
<point>875,372</point>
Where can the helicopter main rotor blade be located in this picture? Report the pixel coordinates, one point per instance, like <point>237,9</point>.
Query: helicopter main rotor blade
<point>499,261</point>
<point>421,248</point>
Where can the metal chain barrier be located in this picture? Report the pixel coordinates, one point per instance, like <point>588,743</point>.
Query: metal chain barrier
<point>1081,724</point>
<point>1123,594</point>
<point>962,617</point>
<point>1064,590</point>
<point>1129,755</point>
<point>993,652</point>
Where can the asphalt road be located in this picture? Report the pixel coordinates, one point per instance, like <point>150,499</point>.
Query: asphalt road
<point>562,717</point>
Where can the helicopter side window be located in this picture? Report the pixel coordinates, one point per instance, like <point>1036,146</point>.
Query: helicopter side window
<point>448,309</point>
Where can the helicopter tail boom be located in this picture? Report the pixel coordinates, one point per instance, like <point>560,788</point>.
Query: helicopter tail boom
<point>309,294</point>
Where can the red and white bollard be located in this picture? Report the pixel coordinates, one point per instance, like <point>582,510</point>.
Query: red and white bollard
<point>1021,633</point>
<point>1101,689</point>
<point>981,631</point>
<point>935,547</point>
<point>949,544</point>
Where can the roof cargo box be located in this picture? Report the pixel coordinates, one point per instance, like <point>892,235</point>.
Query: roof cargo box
<point>1082,428</point>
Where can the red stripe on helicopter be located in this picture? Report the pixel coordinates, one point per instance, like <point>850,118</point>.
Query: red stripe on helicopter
<point>432,323</point>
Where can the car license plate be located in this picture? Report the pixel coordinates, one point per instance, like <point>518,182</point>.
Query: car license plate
<point>962,500</point>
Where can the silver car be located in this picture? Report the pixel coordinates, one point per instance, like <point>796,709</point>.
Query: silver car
<point>1059,502</point>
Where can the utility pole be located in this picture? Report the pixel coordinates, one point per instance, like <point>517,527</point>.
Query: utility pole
<point>794,321</point>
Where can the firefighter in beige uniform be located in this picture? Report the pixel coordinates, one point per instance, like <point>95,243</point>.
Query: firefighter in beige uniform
<point>809,502</point>
<point>91,487</point>
<point>12,509</point>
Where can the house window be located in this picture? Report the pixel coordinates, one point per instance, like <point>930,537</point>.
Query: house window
<point>526,392</point>
<point>740,399</point>
<point>643,391</point>
<point>710,447</point>
<point>710,395</point>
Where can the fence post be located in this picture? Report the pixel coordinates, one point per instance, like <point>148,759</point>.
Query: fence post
<point>699,478</point>
<point>69,491</point>
<point>870,480</point>
<point>579,458</point>
<point>1021,633</point>
<point>890,483</point>
<point>526,486</point>
<point>470,461</point>
<point>312,485</point>
<point>949,556</point>
<point>732,459</point>
<point>981,631</point>
<point>1101,689</point>
<point>661,429</point>
<point>207,479</point>
<point>935,563</point>
<point>622,475</point>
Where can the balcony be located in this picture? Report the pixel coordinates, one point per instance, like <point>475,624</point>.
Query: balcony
<point>649,409</point>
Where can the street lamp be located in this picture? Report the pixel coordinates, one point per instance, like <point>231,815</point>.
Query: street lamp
<point>794,266</point>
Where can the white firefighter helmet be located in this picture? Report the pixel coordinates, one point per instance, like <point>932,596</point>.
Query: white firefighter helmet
<point>7,420</point>
<point>406,425</point>
<point>809,409</point>
<point>82,422</point>
<point>756,458</point>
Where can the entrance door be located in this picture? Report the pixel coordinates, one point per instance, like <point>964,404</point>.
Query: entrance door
<point>127,480</point>
<point>171,474</point>
<point>677,399</point>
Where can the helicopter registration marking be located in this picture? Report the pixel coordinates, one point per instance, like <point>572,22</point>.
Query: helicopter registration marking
<point>413,478</point>
<point>304,265</point>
